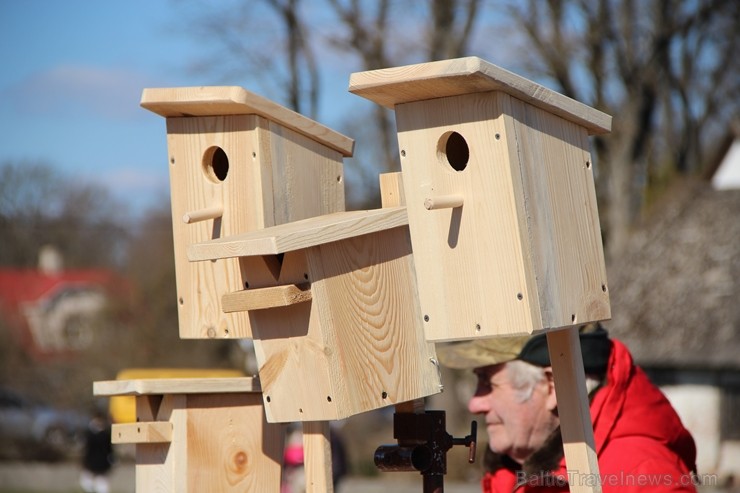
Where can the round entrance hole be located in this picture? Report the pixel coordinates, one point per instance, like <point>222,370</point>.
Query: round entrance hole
<point>455,150</point>
<point>215,164</point>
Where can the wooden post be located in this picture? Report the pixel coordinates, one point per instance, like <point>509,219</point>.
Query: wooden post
<point>317,457</point>
<point>573,408</point>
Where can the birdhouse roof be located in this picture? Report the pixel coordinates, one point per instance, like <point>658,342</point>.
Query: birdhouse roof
<point>392,86</point>
<point>234,100</point>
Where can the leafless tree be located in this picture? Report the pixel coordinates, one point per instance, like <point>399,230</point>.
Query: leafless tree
<point>666,70</point>
<point>266,41</point>
<point>39,206</point>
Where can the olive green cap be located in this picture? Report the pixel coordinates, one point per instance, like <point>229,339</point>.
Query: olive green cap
<point>475,353</point>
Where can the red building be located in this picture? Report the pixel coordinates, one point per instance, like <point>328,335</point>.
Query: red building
<point>52,311</point>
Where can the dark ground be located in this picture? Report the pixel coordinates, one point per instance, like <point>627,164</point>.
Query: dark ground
<point>29,477</point>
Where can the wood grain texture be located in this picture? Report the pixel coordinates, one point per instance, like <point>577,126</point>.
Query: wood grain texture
<point>230,447</point>
<point>564,347</point>
<point>215,442</point>
<point>392,86</point>
<point>231,100</point>
<point>474,275</point>
<point>263,298</point>
<point>357,345</point>
<point>375,330</point>
<point>300,234</point>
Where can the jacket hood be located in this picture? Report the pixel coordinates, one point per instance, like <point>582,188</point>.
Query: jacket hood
<point>629,405</point>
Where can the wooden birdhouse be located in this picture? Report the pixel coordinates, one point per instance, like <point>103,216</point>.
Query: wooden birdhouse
<point>338,333</point>
<point>264,250</point>
<point>238,163</point>
<point>500,194</point>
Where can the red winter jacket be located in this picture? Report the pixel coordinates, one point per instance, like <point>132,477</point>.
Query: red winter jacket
<point>641,444</point>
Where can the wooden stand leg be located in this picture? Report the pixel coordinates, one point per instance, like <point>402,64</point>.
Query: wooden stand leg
<point>575,419</point>
<point>317,457</point>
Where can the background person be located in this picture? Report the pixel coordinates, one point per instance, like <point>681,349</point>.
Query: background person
<point>640,441</point>
<point>97,460</point>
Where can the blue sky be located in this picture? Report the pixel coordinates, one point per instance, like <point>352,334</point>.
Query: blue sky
<point>71,81</point>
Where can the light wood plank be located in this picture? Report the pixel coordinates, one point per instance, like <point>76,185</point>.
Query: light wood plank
<point>150,432</point>
<point>393,86</point>
<point>317,457</point>
<point>391,189</point>
<point>233,100</point>
<point>556,181</point>
<point>263,298</point>
<point>230,447</point>
<point>176,386</point>
<point>575,418</point>
<point>300,234</point>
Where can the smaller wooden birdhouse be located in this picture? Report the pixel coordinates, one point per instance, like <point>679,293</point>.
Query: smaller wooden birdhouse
<point>338,331</point>
<point>501,201</point>
<point>238,163</point>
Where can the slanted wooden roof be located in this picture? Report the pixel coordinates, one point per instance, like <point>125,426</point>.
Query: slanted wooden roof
<point>675,292</point>
<point>392,86</point>
<point>234,100</point>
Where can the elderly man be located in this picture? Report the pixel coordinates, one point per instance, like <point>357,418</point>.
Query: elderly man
<point>640,442</point>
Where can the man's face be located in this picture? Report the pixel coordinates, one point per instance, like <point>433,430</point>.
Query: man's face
<point>517,426</point>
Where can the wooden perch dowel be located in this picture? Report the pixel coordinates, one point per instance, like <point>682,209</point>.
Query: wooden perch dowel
<point>260,299</point>
<point>443,202</point>
<point>203,214</point>
<point>152,432</point>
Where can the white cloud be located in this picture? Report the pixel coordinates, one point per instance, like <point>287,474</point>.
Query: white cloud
<point>73,90</point>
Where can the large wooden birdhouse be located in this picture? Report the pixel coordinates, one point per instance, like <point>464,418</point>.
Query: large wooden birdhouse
<point>499,186</point>
<point>238,162</point>
<point>264,249</point>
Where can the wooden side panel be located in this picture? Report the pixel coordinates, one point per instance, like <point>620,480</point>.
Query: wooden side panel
<point>308,177</point>
<point>291,353</point>
<point>562,216</point>
<point>242,195</point>
<point>473,269</point>
<point>230,446</point>
<point>370,319</point>
<point>156,462</point>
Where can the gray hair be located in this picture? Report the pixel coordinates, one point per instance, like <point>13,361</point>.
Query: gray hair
<point>525,376</point>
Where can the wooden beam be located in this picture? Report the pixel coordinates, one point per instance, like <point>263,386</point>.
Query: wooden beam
<point>153,432</point>
<point>161,386</point>
<point>263,298</point>
<point>301,234</point>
